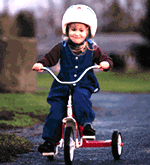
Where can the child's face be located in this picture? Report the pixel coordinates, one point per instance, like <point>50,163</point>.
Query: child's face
<point>78,32</point>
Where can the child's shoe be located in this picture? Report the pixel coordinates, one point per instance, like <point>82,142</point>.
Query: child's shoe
<point>46,147</point>
<point>88,130</point>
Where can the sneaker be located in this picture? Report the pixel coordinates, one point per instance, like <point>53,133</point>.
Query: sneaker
<point>88,130</point>
<point>46,147</point>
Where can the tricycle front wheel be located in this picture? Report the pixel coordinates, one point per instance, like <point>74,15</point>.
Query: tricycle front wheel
<point>69,146</point>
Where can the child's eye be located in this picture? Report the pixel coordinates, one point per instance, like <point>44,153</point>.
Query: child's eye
<point>81,30</point>
<point>73,29</point>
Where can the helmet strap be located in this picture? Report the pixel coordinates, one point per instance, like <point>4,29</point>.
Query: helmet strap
<point>74,44</point>
<point>77,48</point>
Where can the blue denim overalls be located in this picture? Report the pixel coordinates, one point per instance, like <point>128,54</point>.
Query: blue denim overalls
<point>72,67</point>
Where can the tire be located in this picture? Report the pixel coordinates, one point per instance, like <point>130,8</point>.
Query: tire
<point>116,145</point>
<point>51,158</point>
<point>69,146</point>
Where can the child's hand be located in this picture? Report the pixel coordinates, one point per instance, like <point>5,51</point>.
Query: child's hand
<point>104,65</point>
<point>38,67</point>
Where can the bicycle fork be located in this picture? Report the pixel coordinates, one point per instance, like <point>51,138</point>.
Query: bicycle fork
<point>69,121</point>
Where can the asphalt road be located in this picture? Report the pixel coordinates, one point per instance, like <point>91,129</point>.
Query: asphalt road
<point>128,113</point>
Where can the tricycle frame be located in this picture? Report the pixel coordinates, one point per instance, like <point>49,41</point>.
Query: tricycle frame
<point>80,140</point>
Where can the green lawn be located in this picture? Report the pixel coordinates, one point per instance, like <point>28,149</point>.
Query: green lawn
<point>27,109</point>
<point>129,82</point>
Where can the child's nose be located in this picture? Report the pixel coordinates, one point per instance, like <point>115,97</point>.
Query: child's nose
<point>77,33</point>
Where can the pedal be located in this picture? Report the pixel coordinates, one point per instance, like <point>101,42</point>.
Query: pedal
<point>48,154</point>
<point>89,137</point>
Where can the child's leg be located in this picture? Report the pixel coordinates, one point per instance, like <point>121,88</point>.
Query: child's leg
<point>52,130</point>
<point>83,106</point>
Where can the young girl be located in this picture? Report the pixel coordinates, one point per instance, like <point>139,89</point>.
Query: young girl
<point>76,53</point>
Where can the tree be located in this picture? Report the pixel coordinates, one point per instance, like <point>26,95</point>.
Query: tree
<point>145,23</point>
<point>117,20</point>
<point>141,51</point>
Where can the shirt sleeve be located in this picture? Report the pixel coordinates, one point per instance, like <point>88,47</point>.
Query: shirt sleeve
<point>99,56</point>
<point>52,58</point>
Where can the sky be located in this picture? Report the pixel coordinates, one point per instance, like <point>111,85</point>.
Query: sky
<point>1,5</point>
<point>15,5</point>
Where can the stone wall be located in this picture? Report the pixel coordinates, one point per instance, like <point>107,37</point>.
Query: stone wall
<point>17,53</point>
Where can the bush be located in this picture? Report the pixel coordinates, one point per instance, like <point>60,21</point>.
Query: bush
<point>25,24</point>
<point>119,63</point>
<point>11,145</point>
<point>145,23</point>
<point>141,55</point>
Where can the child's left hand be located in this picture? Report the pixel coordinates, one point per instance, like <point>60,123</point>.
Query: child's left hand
<point>104,65</point>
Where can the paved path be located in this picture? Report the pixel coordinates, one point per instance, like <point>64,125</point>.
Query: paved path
<point>128,113</point>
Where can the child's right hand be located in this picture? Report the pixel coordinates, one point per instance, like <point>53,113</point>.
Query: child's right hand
<point>37,67</point>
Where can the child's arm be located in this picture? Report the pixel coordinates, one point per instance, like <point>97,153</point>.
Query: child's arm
<point>105,62</point>
<point>49,59</point>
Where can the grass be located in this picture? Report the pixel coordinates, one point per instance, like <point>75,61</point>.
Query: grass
<point>27,109</point>
<point>128,82</point>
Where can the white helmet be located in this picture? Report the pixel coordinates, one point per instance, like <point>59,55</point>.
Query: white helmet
<point>82,14</point>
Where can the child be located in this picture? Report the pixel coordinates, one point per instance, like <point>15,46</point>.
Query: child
<point>76,53</point>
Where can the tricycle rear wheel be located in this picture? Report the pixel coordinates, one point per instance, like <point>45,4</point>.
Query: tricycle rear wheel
<point>116,145</point>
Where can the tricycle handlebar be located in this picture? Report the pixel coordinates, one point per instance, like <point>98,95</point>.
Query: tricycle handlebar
<point>71,82</point>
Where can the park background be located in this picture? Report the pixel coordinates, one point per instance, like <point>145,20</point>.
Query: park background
<point>29,29</point>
